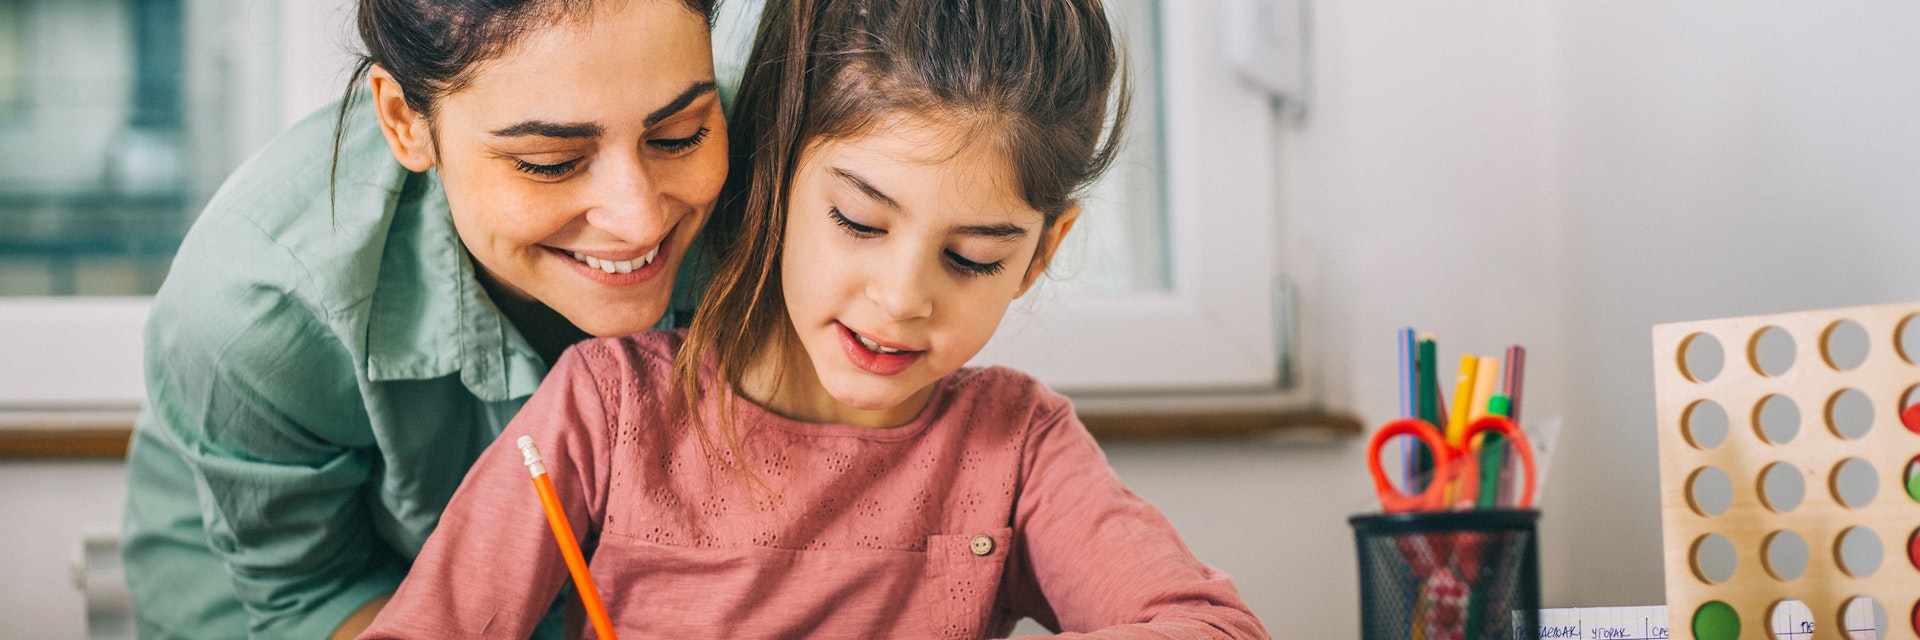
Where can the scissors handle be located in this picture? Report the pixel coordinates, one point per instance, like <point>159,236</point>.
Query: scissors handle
<point>1516,442</point>
<point>1395,499</point>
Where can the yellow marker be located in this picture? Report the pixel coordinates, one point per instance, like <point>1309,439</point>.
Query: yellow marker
<point>1485,382</point>
<point>1462,400</point>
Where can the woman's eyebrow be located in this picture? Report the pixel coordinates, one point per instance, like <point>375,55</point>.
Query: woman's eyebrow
<point>594,129</point>
<point>685,98</point>
<point>551,129</point>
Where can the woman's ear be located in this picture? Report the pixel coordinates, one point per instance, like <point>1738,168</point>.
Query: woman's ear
<point>408,135</point>
<point>1049,243</point>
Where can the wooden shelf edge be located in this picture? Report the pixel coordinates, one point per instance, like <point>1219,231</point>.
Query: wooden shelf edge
<point>1219,426</point>
<point>109,440</point>
<point>64,442</point>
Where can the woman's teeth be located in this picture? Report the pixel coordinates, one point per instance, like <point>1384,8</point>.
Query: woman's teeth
<point>610,266</point>
<point>874,346</point>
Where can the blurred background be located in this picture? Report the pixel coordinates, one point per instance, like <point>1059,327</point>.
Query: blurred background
<point>1302,180</point>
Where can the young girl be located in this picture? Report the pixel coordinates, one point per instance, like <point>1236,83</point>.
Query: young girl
<point>823,465</point>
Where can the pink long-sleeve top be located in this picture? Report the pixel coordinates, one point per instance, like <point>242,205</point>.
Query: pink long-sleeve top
<point>993,505</point>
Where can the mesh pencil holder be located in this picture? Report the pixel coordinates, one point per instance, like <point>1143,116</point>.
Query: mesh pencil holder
<point>1457,575</point>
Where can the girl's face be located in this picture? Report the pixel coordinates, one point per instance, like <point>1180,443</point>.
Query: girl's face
<point>903,250</point>
<point>580,163</point>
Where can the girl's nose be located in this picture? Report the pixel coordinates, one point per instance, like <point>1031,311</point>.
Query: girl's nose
<point>902,289</point>
<point>629,205</point>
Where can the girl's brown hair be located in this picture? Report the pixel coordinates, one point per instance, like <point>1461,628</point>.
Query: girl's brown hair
<point>1033,78</point>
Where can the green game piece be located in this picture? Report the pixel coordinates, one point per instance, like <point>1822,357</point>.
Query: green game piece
<point>1716,621</point>
<point>1913,482</point>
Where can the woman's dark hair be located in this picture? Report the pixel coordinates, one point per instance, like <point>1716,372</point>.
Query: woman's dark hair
<point>1033,78</point>
<point>432,47</point>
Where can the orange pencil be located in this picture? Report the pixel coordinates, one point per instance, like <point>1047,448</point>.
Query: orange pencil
<point>563,534</point>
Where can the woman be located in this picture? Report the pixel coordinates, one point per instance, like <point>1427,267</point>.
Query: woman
<point>338,340</point>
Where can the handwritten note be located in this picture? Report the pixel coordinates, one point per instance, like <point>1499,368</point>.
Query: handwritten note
<point>1791,621</point>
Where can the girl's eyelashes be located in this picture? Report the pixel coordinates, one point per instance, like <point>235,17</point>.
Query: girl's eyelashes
<point>854,228</point>
<point>959,262</point>
<point>972,268</point>
<point>548,171</point>
<point>677,145</point>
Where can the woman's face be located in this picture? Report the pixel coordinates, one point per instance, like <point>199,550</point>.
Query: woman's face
<point>580,163</point>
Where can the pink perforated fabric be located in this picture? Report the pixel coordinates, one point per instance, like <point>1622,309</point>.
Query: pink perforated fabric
<point>993,505</point>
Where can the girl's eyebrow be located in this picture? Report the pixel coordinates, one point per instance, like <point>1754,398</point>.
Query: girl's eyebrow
<point>1004,232</point>
<point>854,180</point>
<point>593,129</point>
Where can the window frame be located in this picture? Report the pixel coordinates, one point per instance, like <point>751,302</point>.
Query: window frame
<point>1221,327</point>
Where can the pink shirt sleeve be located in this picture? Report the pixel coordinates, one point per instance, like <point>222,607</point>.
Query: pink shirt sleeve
<point>492,568</point>
<point>1102,562</point>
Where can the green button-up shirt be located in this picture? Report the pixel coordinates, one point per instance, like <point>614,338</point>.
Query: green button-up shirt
<point>322,368</point>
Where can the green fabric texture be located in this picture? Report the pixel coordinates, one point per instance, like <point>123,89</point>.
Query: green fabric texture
<point>321,369</point>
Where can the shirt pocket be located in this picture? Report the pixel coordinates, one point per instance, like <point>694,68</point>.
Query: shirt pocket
<point>963,579</point>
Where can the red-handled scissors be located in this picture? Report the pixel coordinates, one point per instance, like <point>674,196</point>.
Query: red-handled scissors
<point>1456,467</point>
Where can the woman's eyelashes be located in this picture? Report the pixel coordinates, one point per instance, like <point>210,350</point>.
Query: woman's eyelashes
<point>957,262</point>
<point>678,145</point>
<point>548,171</point>
<point>557,170</point>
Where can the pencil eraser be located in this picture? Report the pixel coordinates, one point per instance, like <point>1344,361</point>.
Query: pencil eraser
<point>530,456</point>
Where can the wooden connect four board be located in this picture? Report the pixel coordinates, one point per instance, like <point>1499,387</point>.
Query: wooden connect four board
<point>1750,388</point>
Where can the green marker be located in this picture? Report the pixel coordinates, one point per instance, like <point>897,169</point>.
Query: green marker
<point>1493,456</point>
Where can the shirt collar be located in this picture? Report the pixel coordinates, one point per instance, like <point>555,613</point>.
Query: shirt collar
<point>429,316</point>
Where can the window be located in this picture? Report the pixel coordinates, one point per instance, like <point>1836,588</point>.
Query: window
<point>121,117</point>
<point>1169,285</point>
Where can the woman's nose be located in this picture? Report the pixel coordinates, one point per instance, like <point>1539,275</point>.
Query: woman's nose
<point>629,205</point>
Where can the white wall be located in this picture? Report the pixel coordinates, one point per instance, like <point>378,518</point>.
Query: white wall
<point>45,508</point>
<point>1561,175</point>
<point>1715,159</point>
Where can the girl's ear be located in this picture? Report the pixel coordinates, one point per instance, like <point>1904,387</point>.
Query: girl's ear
<point>407,131</point>
<point>1049,243</point>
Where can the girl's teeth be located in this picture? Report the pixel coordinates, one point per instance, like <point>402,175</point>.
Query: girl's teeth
<point>874,346</point>
<point>611,266</point>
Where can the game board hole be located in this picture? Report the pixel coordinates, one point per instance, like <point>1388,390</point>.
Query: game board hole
<point>1913,549</point>
<point>1912,479</point>
<point>1785,555</point>
<point>1844,345</point>
<point>1717,620</point>
<point>1701,357</point>
<point>1909,416</point>
<point>1858,552</point>
<point>1908,337</point>
<point>1791,615</point>
<point>1771,351</point>
<point>1777,418</point>
<point>1850,414</point>
<point>1713,559</point>
<point>1705,424</point>
<point>1854,483</point>
<point>1781,487</point>
<point>1710,491</point>
<point>1863,614</point>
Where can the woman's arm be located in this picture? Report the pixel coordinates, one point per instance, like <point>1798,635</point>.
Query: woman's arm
<point>361,619</point>
<point>260,402</point>
<point>1091,557</point>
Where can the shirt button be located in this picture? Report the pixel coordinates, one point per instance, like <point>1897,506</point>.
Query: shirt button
<point>982,545</point>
